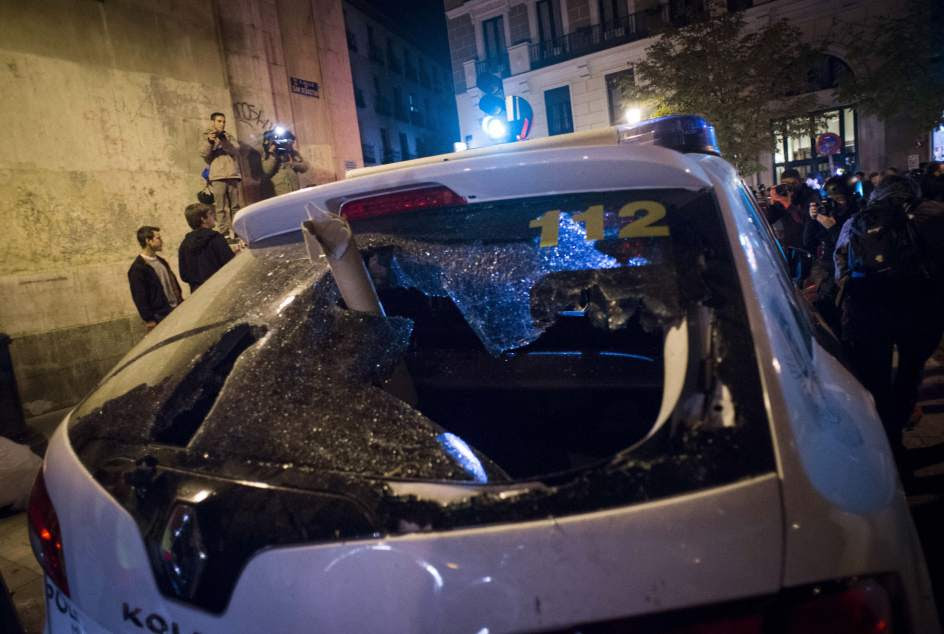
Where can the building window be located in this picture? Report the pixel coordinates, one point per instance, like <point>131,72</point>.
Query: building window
<point>826,72</point>
<point>493,34</point>
<point>549,20</point>
<point>560,119</point>
<point>612,11</point>
<point>800,152</point>
<point>619,94</point>
<point>937,144</point>
<point>405,147</point>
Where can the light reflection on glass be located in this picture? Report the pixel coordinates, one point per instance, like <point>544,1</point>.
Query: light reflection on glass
<point>437,578</point>
<point>459,451</point>
<point>748,250</point>
<point>285,303</point>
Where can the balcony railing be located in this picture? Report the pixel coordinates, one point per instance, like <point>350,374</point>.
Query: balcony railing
<point>382,106</point>
<point>367,149</point>
<point>493,66</point>
<point>598,37</point>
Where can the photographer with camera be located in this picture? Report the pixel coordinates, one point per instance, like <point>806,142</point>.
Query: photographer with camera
<point>221,152</point>
<point>788,211</point>
<point>820,235</point>
<point>281,162</point>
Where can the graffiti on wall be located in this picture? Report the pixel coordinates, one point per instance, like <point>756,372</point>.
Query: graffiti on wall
<point>252,115</point>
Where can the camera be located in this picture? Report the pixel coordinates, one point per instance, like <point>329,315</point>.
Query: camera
<point>826,207</point>
<point>281,138</point>
<point>784,189</point>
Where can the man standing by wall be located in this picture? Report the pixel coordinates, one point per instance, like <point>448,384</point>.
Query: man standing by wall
<point>154,288</point>
<point>220,150</point>
<point>203,250</point>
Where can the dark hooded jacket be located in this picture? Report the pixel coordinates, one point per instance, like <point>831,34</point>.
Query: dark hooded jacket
<point>201,254</point>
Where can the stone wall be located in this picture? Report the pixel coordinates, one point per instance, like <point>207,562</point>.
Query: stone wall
<point>104,104</point>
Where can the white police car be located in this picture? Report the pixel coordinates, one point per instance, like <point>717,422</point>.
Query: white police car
<point>561,385</point>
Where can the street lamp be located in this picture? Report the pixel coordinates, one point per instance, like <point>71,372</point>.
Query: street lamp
<point>633,115</point>
<point>495,127</point>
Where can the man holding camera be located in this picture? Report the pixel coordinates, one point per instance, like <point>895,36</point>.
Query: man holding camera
<point>221,152</point>
<point>281,162</point>
<point>820,236</point>
<point>789,207</point>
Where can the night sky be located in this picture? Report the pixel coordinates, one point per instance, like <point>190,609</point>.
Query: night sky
<point>426,26</point>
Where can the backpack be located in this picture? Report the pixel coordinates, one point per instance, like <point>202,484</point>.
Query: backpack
<point>884,245</point>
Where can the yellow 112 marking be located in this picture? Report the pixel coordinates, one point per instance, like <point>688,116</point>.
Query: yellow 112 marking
<point>642,226</point>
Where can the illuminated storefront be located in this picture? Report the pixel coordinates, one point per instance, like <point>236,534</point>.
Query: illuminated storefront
<point>800,152</point>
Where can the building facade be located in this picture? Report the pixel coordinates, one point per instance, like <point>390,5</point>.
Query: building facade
<point>568,57</point>
<point>403,95</point>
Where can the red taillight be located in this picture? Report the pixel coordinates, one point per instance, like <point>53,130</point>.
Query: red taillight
<point>859,609</point>
<point>401,201</point>
<point>45,536</point>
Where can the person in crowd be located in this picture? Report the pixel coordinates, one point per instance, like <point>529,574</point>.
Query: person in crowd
<point>820,234</point>
<point>866,186</point>
<point>221,152</point>
<point>281,162</point>
<point>874,179</point>
<point>154,286</point>
<point>204,251</point>
<point>889,270</point>
<point>932,182</point>
<point>788,211</point>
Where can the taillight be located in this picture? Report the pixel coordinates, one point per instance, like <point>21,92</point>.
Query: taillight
<point>863,607</point>
<point>390,203</point>
<point>45,536</point>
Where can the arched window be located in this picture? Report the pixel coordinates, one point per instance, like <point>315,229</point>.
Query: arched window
<point>825,72</point>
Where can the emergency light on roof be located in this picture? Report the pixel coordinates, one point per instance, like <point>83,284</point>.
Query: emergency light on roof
<point>682,133</point>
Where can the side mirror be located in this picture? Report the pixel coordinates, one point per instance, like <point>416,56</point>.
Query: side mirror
<point>799,262</point>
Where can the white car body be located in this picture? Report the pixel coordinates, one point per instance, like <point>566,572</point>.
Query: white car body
<point>832,508</point>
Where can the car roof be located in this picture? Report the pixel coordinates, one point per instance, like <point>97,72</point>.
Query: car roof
<point>581,162</point>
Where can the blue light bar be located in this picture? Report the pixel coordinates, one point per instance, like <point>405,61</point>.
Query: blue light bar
<point>679,132</point>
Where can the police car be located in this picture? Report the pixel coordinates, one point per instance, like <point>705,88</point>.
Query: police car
<point>558,385</point>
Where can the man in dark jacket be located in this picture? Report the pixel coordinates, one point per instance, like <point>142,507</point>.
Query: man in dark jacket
<point>820,235</point>
<point>203,250</point>
<point>789,207</point>
<point>888,265</point>
<point>154,287</point>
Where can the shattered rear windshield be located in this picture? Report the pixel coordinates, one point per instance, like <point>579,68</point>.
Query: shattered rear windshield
<point>523,339</point>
